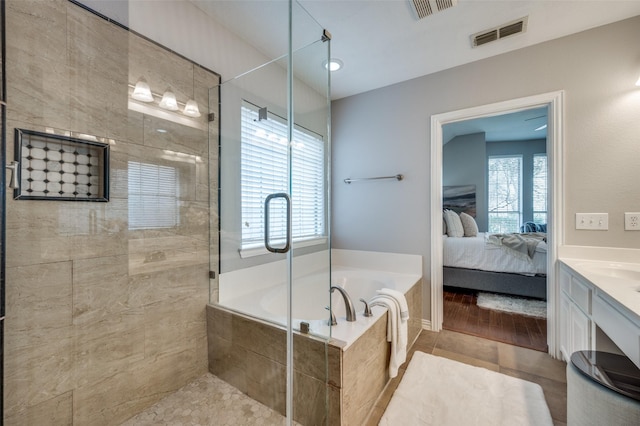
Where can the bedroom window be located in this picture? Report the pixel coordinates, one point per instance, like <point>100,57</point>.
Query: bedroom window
<point>540,188</point>
<point>504,193</point>
<point>264,150</point>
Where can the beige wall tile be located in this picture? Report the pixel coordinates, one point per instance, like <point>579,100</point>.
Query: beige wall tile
<point>170,331</point>
<point>266,381</point>
<point>129,392</point>
<point>38,372</point>
<point>100,288</point>
<point>54,411</point>
<point>99,71</point>
<point>65,230</point>
<point>105,348</point>
<point>37,72</point>
<point>175,285</point>
<point>38,296</point>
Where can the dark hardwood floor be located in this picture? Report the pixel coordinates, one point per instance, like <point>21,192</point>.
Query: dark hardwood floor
<point>462,314</point>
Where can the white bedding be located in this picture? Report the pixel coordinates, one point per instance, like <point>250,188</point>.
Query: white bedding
<point>477,253</point>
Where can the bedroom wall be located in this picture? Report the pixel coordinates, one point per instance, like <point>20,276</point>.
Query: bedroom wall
<point>527,149</point>
<point>463,163</point>
<point>601,139</point>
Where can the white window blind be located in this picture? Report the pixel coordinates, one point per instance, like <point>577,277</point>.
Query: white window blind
<point>505,189</point>
<point>264,171</point>
<point>153,196</point>
<point>540,188</point>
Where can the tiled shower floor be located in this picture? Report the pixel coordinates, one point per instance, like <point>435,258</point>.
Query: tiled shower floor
<point>207,401</point>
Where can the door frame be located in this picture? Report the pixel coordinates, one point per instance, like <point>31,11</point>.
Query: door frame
<point>554,101</point>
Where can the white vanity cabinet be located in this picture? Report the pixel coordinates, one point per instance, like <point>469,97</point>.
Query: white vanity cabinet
<point>599,305</point>
<point>577,330</point>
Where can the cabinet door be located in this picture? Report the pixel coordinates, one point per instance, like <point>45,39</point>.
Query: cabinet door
<point>580,329</point>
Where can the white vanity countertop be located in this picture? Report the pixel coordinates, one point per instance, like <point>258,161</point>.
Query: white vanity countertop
<point>615,272</point>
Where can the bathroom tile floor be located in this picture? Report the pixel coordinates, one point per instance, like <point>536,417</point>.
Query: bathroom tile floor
<point>211,401</point>
<point>207,401</point>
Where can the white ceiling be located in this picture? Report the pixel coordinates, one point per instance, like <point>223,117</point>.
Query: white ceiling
<point>516,126</point>
<point>382,43</point>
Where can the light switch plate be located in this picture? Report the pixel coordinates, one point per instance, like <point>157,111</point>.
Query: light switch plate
<point>592,221</point>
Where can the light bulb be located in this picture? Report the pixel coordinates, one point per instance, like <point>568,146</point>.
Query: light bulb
<point>191,109</point>
<point>142,92</point>
<point>169,101</point>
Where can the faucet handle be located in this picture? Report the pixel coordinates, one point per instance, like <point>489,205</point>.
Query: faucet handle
<point>367,309</point>
<point>333,317</point>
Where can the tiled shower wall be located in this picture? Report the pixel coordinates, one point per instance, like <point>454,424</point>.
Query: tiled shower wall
<point>102,320</point>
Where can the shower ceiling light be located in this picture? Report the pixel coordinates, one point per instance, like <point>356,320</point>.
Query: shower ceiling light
<point>142,92</point>
<point>191,109</point>
<point>333,64</point>
<point>169,101</point>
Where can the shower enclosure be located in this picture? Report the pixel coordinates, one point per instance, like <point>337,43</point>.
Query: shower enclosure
<point>274,245</point>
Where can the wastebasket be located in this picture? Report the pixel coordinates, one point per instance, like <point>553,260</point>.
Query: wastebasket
<point>602,389</point>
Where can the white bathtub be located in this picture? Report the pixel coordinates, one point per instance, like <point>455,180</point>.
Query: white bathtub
<point>311,296</point>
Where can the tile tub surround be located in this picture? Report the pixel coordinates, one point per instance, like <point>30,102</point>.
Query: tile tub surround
<point>250,355</point>
<point>102,320</point>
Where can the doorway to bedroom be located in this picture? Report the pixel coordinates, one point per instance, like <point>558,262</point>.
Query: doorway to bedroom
<point>494,199</point>
<point>496,171</point>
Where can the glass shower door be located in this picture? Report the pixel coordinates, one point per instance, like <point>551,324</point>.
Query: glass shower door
<point>272,292</point>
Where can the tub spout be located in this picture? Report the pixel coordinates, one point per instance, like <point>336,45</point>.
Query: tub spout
<point>351,313</point>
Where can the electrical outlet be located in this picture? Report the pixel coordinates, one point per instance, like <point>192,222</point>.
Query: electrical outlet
<point>592,221</point>
<point>632,221</point>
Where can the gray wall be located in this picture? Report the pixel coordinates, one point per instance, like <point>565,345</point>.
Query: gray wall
<point>464,163</point>
<point>601,122</point>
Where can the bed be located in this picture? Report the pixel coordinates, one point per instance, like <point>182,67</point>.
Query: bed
<point>482,263</point>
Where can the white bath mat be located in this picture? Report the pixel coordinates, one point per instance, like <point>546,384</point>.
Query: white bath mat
<point>517,305</point>
<point>442,392</point>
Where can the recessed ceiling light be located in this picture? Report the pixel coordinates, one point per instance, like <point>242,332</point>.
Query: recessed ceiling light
<point>333,64</point>
<point>544,126</point>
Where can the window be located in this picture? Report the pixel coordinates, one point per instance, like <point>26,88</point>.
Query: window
<point>540,188</point>
<point>504,192</point>
<point>153,196</point>
<point>264,171</point>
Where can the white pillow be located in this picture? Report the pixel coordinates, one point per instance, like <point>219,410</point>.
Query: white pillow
<point>469,225</point>
<point>454,225</point>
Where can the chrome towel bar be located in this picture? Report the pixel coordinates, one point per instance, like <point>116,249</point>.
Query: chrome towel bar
<point>396,177</point>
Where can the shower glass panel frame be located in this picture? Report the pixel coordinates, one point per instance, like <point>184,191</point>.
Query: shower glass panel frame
<point>273,190</point>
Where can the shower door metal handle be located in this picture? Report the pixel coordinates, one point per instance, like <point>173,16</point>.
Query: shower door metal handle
<point>268,246</point>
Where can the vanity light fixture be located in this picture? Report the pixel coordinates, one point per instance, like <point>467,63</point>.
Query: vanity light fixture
<point>142,92</point>
<point>191,109</point>
<point>169,101</point>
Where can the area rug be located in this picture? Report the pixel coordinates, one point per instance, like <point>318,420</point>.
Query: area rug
<point>443,392</point>
<point>517,305</point>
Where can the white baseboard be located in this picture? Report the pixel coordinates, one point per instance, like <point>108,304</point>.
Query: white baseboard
<point>426,324</point>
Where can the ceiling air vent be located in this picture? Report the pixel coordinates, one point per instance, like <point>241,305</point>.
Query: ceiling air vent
<point>511,28</point>
<point>424,8</point>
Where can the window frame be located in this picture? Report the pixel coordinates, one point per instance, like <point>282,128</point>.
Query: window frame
<point>519,212</point>
<point>254,246</point>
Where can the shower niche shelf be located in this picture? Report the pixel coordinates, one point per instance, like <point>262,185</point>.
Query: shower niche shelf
<point>55,167</point>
